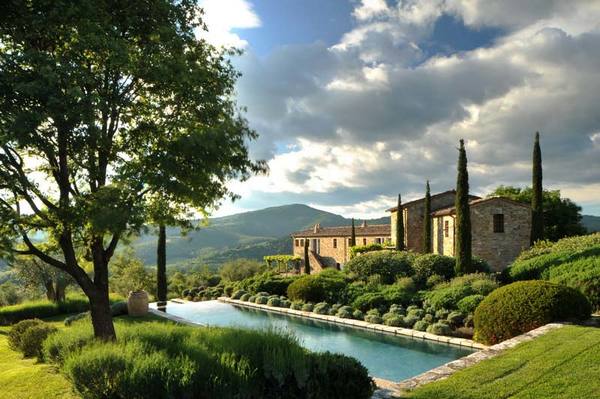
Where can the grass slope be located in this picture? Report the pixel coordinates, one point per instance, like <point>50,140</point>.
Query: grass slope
<point>564,363</point>
<point>27,379</point>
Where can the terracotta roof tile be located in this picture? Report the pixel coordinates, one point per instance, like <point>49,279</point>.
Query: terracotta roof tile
<point>383,230</point>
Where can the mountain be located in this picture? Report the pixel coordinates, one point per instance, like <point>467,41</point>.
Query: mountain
<point>244,235</point>
<point>591,223</point>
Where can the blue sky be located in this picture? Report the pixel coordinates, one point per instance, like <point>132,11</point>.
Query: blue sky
<point>356,101</point>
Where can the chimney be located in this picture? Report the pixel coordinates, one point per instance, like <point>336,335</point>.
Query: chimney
<point>317,228</point>
<point>364,224</point>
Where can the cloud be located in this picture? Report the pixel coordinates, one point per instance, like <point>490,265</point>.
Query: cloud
<point>353,124</point>
<point>222,16</point>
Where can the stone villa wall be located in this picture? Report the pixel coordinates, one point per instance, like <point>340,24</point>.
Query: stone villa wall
<point>500,249</point>
<point>329,255</point>
<point>413,220</point>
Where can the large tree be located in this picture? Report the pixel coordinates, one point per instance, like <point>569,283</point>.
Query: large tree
<point>537,212</point>
<point>562,217</point>
<point>462,239</point>
<point>400,226</point>
<point>427,220</point>
<point>102,104</point>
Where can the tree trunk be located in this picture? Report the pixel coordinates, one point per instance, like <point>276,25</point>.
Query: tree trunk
<point>161,265</point>
<point>50,292</point>
<point>101,315</point>
<point>59,291</point>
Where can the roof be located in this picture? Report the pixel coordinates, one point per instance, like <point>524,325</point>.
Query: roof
<point>404,205</point>
<point>451,210</point>
<point>382,230</point>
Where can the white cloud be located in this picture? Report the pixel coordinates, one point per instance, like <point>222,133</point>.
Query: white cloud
<point>222,16</point>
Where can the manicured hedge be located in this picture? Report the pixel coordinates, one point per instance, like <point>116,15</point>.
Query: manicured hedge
<point>43,308</point>
<point>573,261</point>
<point>428,265</point>
<point>387,264</point>
<point>328,285</point>
<point>525,305</point>
<point>171,361</point>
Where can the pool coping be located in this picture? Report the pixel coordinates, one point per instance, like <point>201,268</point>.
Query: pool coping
<point>389,330</point>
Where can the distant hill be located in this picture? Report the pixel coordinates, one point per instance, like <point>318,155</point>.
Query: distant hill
<point>245,235</point>
<point>591,223</point>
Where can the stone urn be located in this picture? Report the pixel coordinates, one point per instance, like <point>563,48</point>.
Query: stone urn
<point>137,303</point>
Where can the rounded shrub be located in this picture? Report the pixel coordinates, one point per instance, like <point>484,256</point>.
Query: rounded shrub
<point>306,288</point>
<point>394,320</point>
<point>418,313</point>
<point>439,328</point>
<point>469,303</point>
<point>321,308</point>
<point>296,305</point>
<point>245,297</point>
<point>334,308</point>
<point>409,321</point>
<point>525,305</point>
<point>369,300</point>
<point>456,319</point>
<point>252,298</point>
<point>286,303</point>
<point>308,307</point>
<point>345,312</point>
<point>338,376</point>
<point>236,295</point>
<point>428,317</point>
<point>358,315</point>
<point>228,290</point>
<point>373,316</point>
<point>421,325</point>
<point>15,335</point>
<point>401,292</point>
<point>468,322</point>
<point>32,341</point>
<point>274,302</point>
<point>261,300</point>
<point>429,265</point>
<point>387,264</point>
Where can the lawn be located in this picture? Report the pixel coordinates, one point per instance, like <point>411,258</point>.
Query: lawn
<point>564,363</point>
<point>26,378</point>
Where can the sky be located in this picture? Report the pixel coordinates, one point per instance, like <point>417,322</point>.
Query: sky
<point>357,101</point>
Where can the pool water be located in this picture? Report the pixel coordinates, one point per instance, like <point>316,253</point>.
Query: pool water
<point>390,357</point>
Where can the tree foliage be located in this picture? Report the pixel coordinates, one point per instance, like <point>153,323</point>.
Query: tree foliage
<point>104,104</point>
<point>562,217</point>
<point>537,216</point>
<point>463,215</point>
<point>427,220</point>
<point>399,226</point>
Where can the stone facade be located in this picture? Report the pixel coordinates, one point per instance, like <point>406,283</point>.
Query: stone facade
<point>413,212</point>
<point>500,230</point>
<point>331,245</point>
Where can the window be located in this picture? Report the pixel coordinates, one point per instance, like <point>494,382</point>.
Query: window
<point>335,242</point>
<point>446,228</point>
<point>499,223</point>
<point>302,242</point>
<point>297,243</point>
<point>378,240</point>
<point>364,241</point>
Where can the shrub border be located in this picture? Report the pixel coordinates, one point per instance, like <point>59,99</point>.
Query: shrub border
<point>407,332</point>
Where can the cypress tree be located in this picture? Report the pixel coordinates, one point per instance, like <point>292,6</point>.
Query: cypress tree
<point>462,239</point>
<point>161,266</point>
<point>427,221</point>
<point>353,235</point>
<point>306,261</point>
<point>537,212</point>
<point>399,226</point>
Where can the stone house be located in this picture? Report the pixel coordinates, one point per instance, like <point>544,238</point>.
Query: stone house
<point>500,229</point>
<point>330,246</point>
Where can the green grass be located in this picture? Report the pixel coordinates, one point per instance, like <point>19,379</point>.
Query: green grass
<point>26,378</point>
<point>564,363</point>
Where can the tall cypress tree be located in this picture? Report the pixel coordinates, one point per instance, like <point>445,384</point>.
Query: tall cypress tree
<point>537,212</point>
<point>353,235</point>
<point>427,220</point>
<point>306,261</point>
<point>161,266</point>
<point>400,226</point>
<point>462,239</point>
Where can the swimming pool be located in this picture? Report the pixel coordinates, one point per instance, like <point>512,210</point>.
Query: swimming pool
<point>390,357</point>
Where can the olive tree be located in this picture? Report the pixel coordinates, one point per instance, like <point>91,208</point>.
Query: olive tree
<point>103,104</point>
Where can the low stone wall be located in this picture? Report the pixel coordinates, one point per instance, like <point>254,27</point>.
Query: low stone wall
<point>407,332</point>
